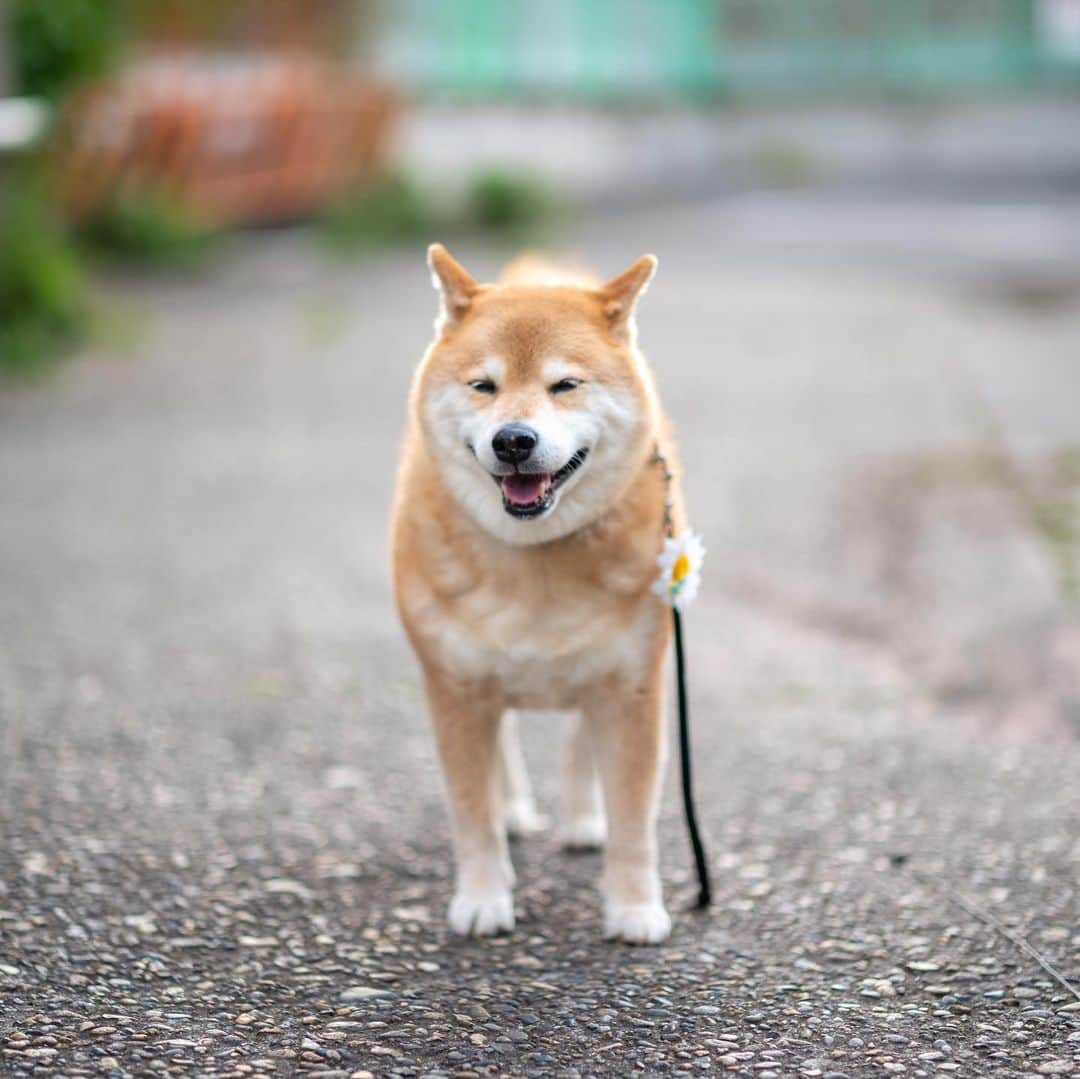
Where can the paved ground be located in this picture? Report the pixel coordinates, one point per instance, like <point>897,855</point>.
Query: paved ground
<point>223,842</point>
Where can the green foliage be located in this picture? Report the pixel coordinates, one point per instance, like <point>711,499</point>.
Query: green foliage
<point>379,213</point>
<point>784,164</point>
<point>395,208</point>
<point>508,203</point>
<point>43,308</point>
<point>58,43</point>
<point>148,227</point>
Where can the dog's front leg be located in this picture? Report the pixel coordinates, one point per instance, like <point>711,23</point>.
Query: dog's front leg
<point>466,720</point>
<point>626,728</point>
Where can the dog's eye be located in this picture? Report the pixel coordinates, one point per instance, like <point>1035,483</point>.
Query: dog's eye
<point>482,385</point>
<point>564,385</point>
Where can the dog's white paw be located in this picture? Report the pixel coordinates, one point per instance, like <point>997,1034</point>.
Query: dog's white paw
<point>585,832</point>
<point>522,819</point>
<point>481,915</point>
<point>636,923</point>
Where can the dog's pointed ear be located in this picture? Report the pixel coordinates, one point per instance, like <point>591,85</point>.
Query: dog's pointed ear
<point>455,284</point>
<point>620,295</point>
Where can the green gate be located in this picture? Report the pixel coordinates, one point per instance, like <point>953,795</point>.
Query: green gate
<point>620,50</point>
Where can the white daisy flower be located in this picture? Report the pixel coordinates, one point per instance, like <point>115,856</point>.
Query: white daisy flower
<point>680,569</point>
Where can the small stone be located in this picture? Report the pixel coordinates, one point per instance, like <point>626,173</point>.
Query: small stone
<point>1055,932</point>
<point>362,992</point>
<point>283,886</point>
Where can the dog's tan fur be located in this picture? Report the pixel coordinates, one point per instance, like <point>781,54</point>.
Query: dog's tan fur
<point>503,621</point>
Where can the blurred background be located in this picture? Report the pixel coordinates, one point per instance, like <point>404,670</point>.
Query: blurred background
<point>142,130</point>
<point>866,328</point>
<point>826,164</point>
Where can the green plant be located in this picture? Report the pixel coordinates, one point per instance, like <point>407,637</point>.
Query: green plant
<point>508,202</point>
<point>376,214</point>
<point>394,208</point>
<point>147,226</point>
<point>57,43</point>
<point>784,164</point>
<point>43,307</point>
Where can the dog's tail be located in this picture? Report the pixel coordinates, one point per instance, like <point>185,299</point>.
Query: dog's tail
<point>535,268</point>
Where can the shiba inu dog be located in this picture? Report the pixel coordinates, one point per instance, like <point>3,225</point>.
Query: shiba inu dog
<point>527,521</point>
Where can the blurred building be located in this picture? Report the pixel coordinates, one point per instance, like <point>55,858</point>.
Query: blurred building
<point>269,109</point>
<point>644,49</point>
<point>954,93</point>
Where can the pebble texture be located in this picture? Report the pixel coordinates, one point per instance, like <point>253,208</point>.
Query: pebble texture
<point>223,850</point>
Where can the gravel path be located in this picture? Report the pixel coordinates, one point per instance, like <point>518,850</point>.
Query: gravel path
<point>223,848</point>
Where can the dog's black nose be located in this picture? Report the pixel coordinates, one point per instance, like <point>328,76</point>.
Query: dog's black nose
<point>513,443</point>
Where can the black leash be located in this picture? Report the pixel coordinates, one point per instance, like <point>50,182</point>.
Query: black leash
<point>704,883</point>
<point>701,863</point>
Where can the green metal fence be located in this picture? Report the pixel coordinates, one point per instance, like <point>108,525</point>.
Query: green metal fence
<point>634,49</point>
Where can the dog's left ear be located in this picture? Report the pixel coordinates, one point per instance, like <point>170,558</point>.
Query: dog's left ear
<point>456,285</point>
<point>620,295</point>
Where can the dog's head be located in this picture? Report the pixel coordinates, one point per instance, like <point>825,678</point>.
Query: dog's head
<point>534,402</point>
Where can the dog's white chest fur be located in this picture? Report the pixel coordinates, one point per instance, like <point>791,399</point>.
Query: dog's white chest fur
<point>540,654</point>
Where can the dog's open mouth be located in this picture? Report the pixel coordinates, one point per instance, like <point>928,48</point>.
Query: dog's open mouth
<point>529,494</point>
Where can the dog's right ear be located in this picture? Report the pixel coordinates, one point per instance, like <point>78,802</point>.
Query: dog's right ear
<point>455,284</point>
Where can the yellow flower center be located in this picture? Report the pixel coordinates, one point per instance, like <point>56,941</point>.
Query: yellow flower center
<point>680,569</point>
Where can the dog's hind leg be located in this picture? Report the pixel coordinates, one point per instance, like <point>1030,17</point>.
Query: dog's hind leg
<point>518,805</point>
<point>466,721</point>
<point>581,821</point>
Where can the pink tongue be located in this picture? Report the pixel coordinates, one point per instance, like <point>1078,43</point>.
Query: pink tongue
<point>524,490</point>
